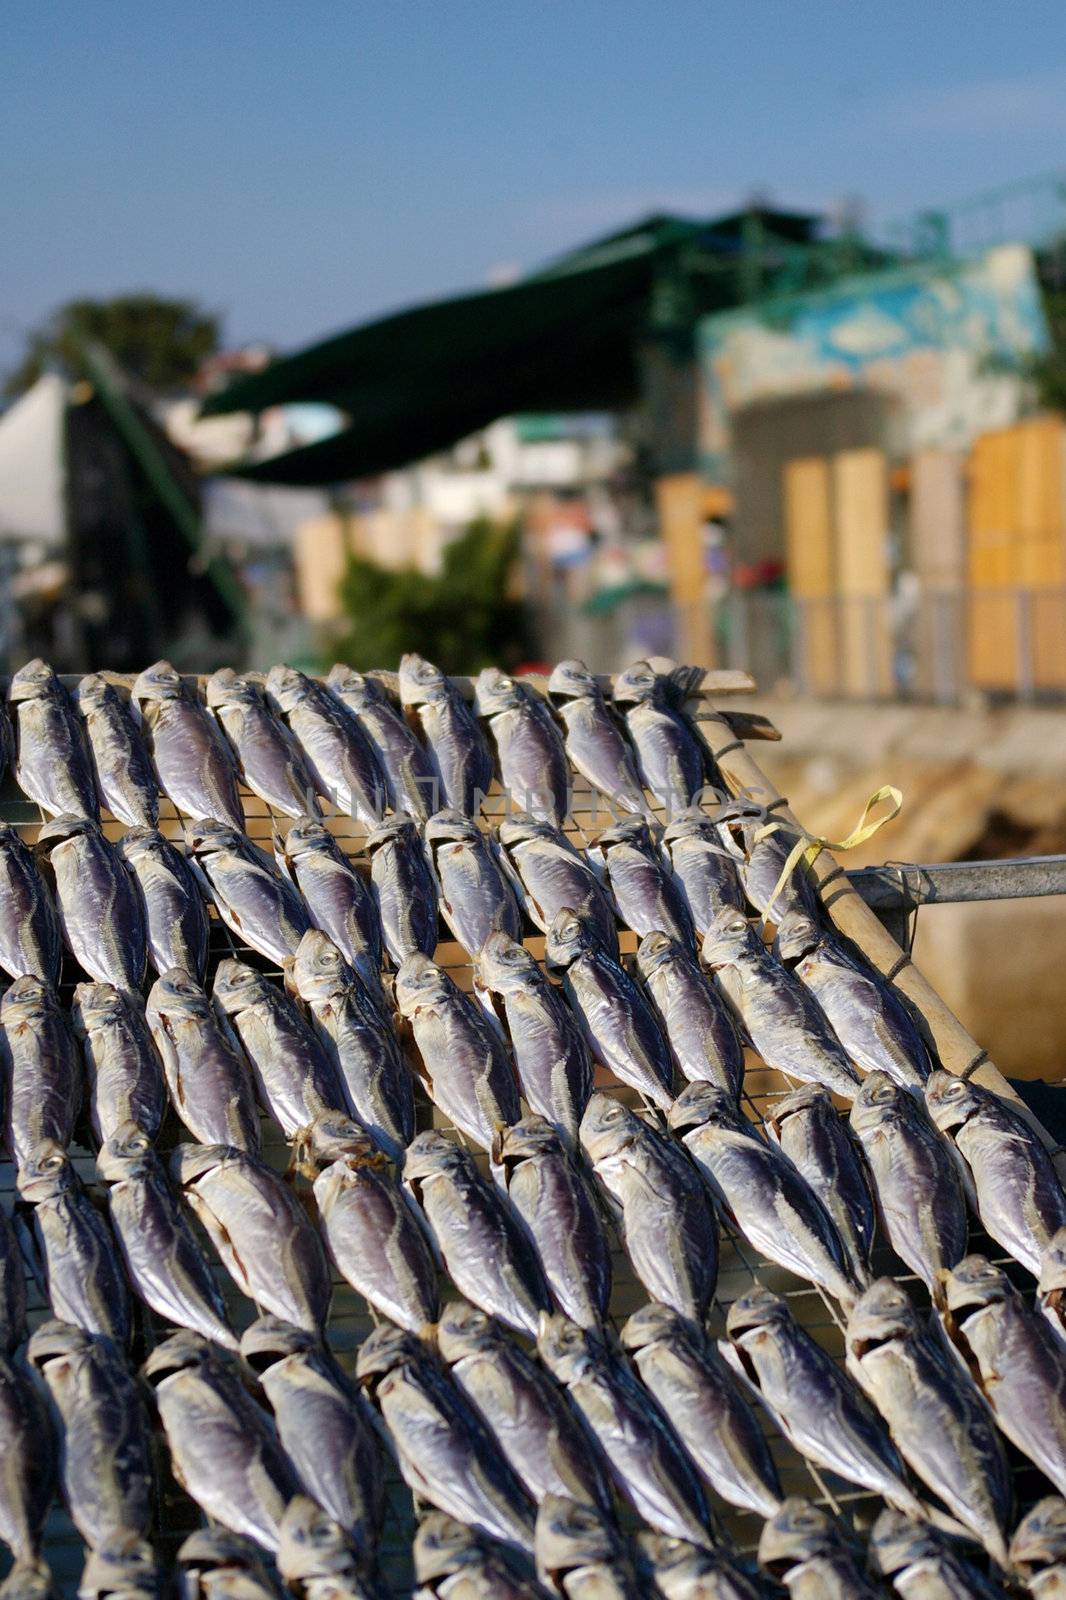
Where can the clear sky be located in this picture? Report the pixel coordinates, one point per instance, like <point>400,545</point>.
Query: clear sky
<point>301,166</point>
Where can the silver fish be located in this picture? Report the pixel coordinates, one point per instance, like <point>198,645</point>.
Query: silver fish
<point>163,1259</point>
<point>811,1133</point>
<point>252,896</point>
<point>210,1086</point>
<point>866,1013</point>
<point>816,1405</point>
<point>552,1195</point>
<point>461,757</point>
<point>667,1220</point>
<point>468,1071</point>
<point>371,1230</point>
<point>295,1077</point>
<point>670,757</point>
<point>445,1452</point>
<point>451,1559</point>
<point>122,1067</point>
<point>553,874</point>
<point>337,752</point>
<point>337,896</point>
<point>594,740</point>
<point>317,1558</point>
<point>404,889</point>
<point>12,1290</point>
<point>122,766</point>
<point>265,751</point>
<point>938,1421</point>
<point>76,1253</point>
<point>223,1450</point>
<point>1020,1198</point>
<point>52,765</point>
<point>123,1564</point>
<point>707,872</point>
<point>755,1183</point>
<point>377,1086</point>
<point>650,1465</point>
<point>105,1456</point>
<point>549,1449</point>
<point>1051,1286</point>
<point>30,940</point>
<point>920,1203</point>
<point>801,1548</point>
<point>486,1250</point>
<point>620,1029</point>
<point>325,1426</point>
<point>193,763</point>
<point>647,897</point>
<point>42,1077</point>
<point>100,907</point>
<point>921,1564</point>
<point>1016,1360</point>
<point>1038,1549</point>
<point>698,1392</point>
<point>260,1231</point>
<point>28,1451</point>
<point>410,779</point>
<point>763,864</point>
<point>694,1017</point>
<point>476,899</point>
<point>215,1564</point>
<point>175,914</point>
<point>684,1571</point>
<point>786,1026</point>
<point>581,1554</point>
<point>532,757</point>
<point>550,1053</point>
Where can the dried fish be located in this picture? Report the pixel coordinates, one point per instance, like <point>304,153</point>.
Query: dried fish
<point>920,1202</point>
<point>28,1580</point>
<point>540,1435</point>
<point>100,907</point>
<point>42,1078</point>
<point>476,899</point>
<point>404,889</point>
<point>468,1070</point>
<point>27,1449</point>
<point>175,913</point>
<point>683,1571</point>
<point>786,1026</point>
<point>801,1548</point>
<point>76,1254</point>
<point>12,1290</point>
<point>105,1456</point>
<point>486,1250</point>
<point>445,1452</point>
<point>1020,1198</point>
<point>223,1450</point>
<point>252,896</point>
<point>295,1077</point>
<point>337,896</point>
<point>618,1025</point>
<point>461,757</point>
<point>52,765</point>
<point>193,763</point>
<point>811,1133</point>
<point>667,1221</point>
<point>210,1086</point>
<point>698,1392</point>
<point>921,1564</point>
<point>123,1564</point>
<point>122,1066</point>
<point>671,759</point>
<point>647,897</point>
<point>1038,1549</point>
<point>938,1421</point>
<point>376,1084</point>
<point>215,1564</point>
<point>553,874</point>
<point>703,866</point>
<point>755,1183</point>
<point>337,752</point>
<point>30,940</point>
<point>317,1559</point>
<point>410,779</point>
<point>533,766</point>
<point>767,846</point>
<point>259,1229</point>
<point>594,740</point>
<point>650,1465</point>
<point>553,1197</point>
<point>1051,1287</point>
<point>265,751</point>
<point>163,1260</point>
<point>452,1560</point>
<point>550,1053</point>
<point>694,1017</point>
<point>125,779</point>
<point>581,1554</point>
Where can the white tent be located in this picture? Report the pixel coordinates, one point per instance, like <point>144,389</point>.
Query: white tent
<point>32,469</point>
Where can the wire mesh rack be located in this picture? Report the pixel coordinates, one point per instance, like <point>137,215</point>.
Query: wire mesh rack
<point>351,1318</point>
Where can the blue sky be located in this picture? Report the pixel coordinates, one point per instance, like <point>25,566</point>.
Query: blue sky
<point>300,167</point>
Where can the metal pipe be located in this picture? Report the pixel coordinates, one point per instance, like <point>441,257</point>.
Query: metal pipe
<point>908,886</point>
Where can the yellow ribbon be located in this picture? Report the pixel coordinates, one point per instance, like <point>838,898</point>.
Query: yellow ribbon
<point>809,846</point>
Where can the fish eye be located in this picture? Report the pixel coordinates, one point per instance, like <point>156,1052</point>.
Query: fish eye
<point>53,1163</point>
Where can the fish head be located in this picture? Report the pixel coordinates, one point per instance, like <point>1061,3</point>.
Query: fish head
<point>505,966</point>
<point>448,826</point>
<point>311,1544</point>
<point>319,971</point>
<point>123,1567</point>
<point>571,1534</point>
<point>532,1136</point>
<point>383,1351</point>
<point>56,1341</point>
<point>432,1155</point>
<point>28,1580</point>
<point>28,1000</point>
<point>638,683</point>
<point>897,1542</point>
<point>807,1097</point>
<point>656,950</point>
<point>47,1172</point>
<point>207,836</point>
<point>567,1350</point>
<point>652,1324</point>
<point>754,1314</point>
<point>307,836</point>
<point>496,691</point>
<point>228,688</point>
<point>161,681</point>
<point>216,1550</point>
<point>288,688</point>
<point>973,1284</point>
<point>571,935</point>
<point>95,691</point>
<point>1040,1538</point>
<point>518,827</point>
<point>421,983</point>
<point>879,1099</point>
<point>882,1313</point>
<point>607,1126</point>
<point>700,1104</point>
<point>237,985</point>
<point>400,832</point>
<point>632,831</point>
<point>357,687</point>
<point>951,1101</point>
<point>572,680</point>
<point>797,1532</point>
<point>420,680</point>
<point>137,843</point>
<point>729,939</point>
<point>270,1339</point>
<point>57,830</point>
<point>443,1546</point>
<point>184,1351</point>
<point>797,933</point>
<point>35,681</point>
<point>1053,1264</point>
<point>97,1005</point>
<point>188,1162</point>
<point>332,1136</point>
<point>129,1153</point>
<point>177,994</point>
<point>464,1330</point>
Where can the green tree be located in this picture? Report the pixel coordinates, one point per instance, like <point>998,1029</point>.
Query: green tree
<point>462,619</point>
<point>160,341</point>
